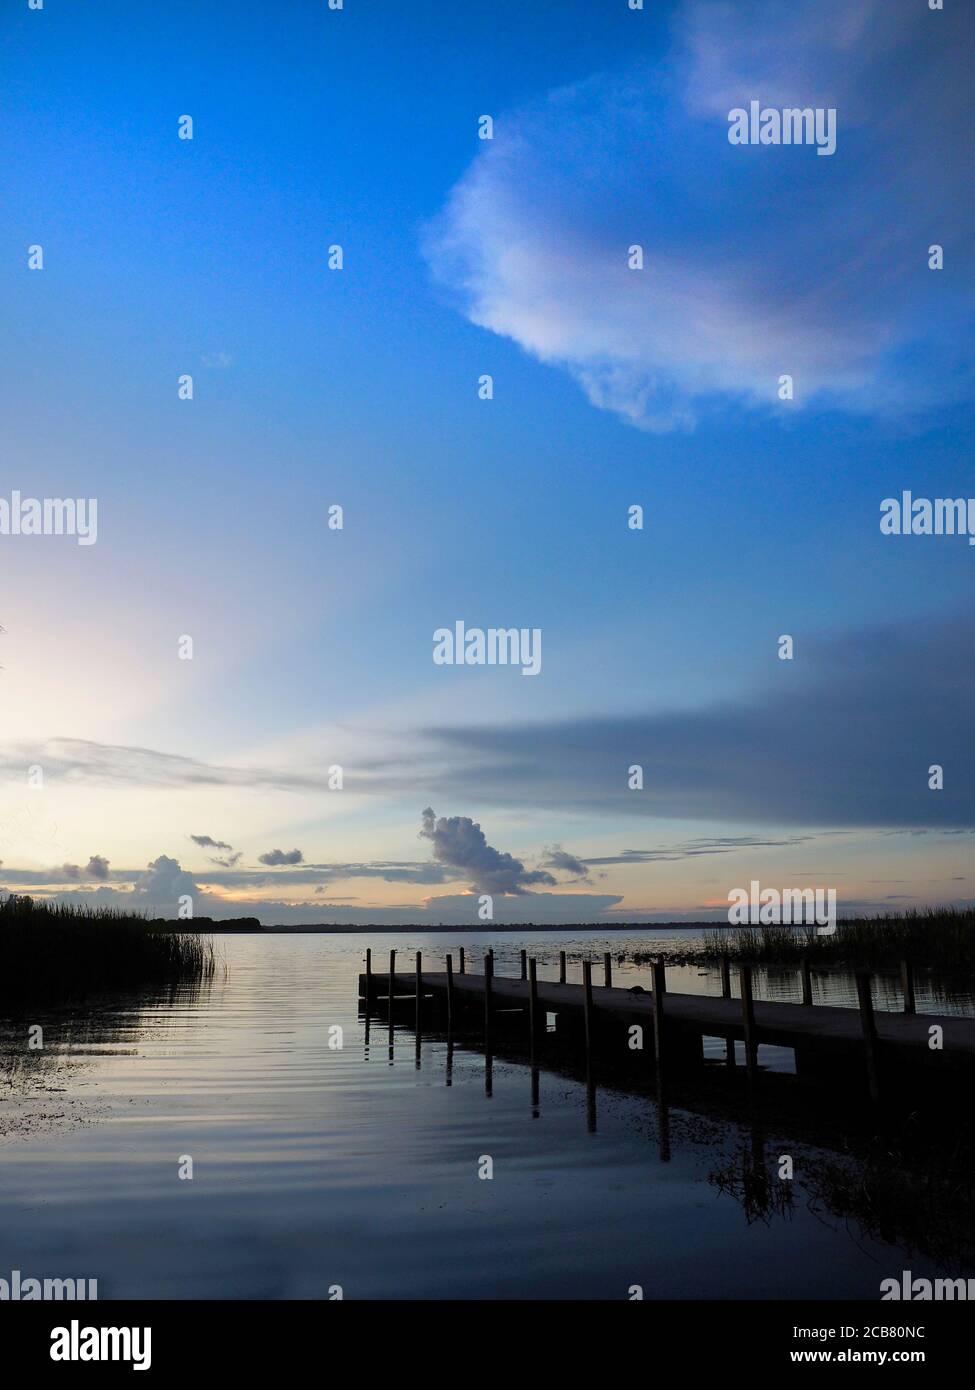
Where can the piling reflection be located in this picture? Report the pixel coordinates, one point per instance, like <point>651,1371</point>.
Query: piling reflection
<point>867,1172</point>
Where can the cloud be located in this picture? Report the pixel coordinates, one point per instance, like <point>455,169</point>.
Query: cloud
<point>560,859</point>
<point>82,762</point>
<point>163,883</point>
<point>206,842</point>
<point>831,284</point>
<point>227,861</point>
<point>280,856</point>
<point>693,849</point>
<point>460,844</point>
<point>230,877</point>
<point>96,868</point>
<point>842,737</point>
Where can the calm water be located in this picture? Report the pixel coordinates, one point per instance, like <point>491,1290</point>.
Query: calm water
<point>316,1166</point>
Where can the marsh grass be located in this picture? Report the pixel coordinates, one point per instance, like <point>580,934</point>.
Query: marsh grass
<point>940,938</point>
<point>57,952</point>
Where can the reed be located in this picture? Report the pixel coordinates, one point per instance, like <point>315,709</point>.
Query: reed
<point>940,938</point>
<point>55,952</point>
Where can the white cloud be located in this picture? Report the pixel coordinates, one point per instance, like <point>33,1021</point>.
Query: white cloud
<point>759,261</point>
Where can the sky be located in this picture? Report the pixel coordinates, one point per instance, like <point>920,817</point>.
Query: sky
<point>784,361</point>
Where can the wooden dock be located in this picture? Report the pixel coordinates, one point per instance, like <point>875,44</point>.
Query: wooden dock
<point>863,1046</point>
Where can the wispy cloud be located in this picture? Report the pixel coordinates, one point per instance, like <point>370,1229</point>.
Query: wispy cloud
<point>843,736</point>
<point>207,842</point>
<point>81,761</point>
<point>559,859</point>
<point>694,849</point>
<point>832,287</point>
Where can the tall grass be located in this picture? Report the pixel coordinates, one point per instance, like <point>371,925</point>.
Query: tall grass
<point>941,938</point>
<point>54,952</point>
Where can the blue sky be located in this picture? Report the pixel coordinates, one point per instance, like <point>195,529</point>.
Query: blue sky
<point>359,387</point>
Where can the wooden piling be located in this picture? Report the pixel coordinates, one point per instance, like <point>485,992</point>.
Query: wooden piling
<point>607,970</point>
<point>561,967</point>
<point>907,985</point>
<point>587,1012</point>
<point>450,989</point>
<point>806,981</point>
<point>417,1027</point>
<point>488,1044</point>
<point>368,979</point>
<point>659,1022</point>
<point>748,1019</point>
<point>392,992</point>
<point>463,969</point>
<point>488,979</point>
<point>869,1026</point>
<point>524,965</point>
<point>534,1021</point>
<point>532,1008</point>
<point>587,1005</point>
<point>729,1044</point>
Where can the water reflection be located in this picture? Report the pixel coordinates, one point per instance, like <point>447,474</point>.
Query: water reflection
<point>303,1152</point>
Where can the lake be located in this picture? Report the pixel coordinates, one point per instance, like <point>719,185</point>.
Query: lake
<point>318,1166</point>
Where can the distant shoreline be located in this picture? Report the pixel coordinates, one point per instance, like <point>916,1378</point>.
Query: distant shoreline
<point>488,929</point>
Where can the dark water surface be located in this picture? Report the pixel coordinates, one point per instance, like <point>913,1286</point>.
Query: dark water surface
<point>317,1166</point>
